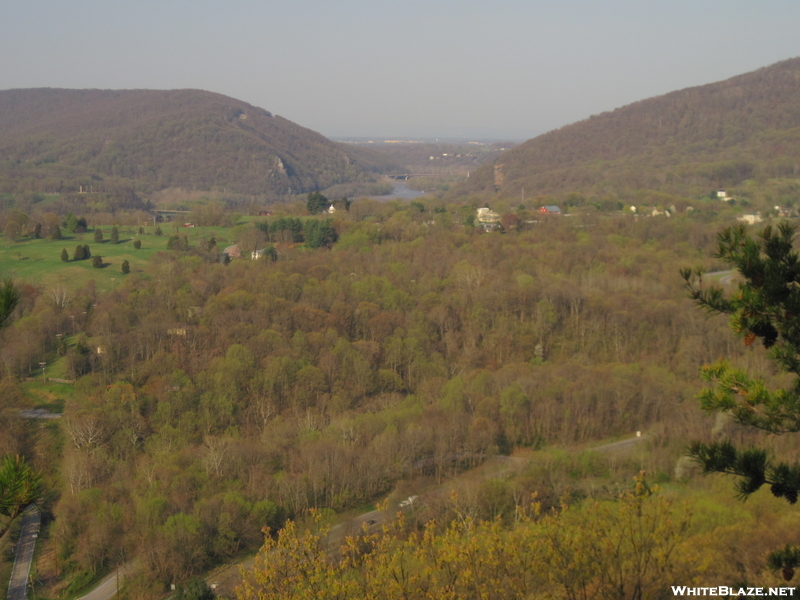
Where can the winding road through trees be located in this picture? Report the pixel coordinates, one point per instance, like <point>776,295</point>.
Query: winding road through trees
<point>109,585</point>
<point>228,577</point>
<point>18,584</point>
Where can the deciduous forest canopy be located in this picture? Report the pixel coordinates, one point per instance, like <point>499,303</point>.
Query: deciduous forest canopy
<point>232,362</point>
<point>67,140</point>
<point>213,399</point>
<point>683,143</point>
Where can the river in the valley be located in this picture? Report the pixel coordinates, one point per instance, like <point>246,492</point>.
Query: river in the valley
<point>400,192</point>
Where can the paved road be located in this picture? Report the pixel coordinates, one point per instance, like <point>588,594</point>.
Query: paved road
<point>226,579</point>
<point>723,277</point>
<point>18,584</point>
<point>38,413</point>
<point>620,446</point>
<point>109,585</point>
<point>229,577</point>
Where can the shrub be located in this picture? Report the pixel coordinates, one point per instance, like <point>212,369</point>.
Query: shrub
<point>177,242</point>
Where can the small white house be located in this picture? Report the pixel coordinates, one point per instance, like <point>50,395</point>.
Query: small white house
<point>723,195</point>
<point>750,219</point>
<point>487,215</point>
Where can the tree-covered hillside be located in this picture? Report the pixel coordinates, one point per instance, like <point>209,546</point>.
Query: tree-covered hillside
<point>688,143</point>
<point>217,374</point>
<point>213,399</point>
<point>54,140</point>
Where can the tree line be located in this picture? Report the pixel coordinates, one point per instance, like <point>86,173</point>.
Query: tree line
<point>212,400</point>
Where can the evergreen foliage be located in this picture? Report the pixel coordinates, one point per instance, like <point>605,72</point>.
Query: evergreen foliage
<point>785,560</point>
<point>765,308</point>
<point>316,203</point>
<point>271,253</point>
<point>320,233</point>
<point>177,242</point>
<point>98,235</point>
<point>75,224</point>
<point>9,298</point>
<point>315,233</point>
<point>81,252</point>
<point>64,255</point>
<point>97,262</point>
<point>114,235</point>
<point>126,267</point>
<point>71,222</point>
<point>20,487</point>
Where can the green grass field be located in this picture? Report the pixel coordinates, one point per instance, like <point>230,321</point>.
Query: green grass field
<point>38,261</point>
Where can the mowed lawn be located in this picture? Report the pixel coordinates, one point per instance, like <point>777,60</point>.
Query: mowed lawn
<point>38,262</point>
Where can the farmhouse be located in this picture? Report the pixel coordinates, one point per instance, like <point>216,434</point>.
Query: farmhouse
<point>550,210</point>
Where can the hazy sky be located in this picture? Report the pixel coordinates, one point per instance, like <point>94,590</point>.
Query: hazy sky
<point>451,68</point>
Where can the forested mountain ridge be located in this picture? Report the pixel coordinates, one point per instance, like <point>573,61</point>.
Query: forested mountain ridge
<point>60,139</point>
<point>687,142</point>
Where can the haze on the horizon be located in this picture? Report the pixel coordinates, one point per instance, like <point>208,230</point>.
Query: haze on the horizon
<point>509,69</point>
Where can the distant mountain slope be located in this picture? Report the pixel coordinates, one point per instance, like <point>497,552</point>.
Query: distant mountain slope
<point>187,138</point>
<point>684,142</point>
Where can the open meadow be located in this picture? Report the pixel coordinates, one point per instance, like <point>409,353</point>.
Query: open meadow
<point>38,261</point>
